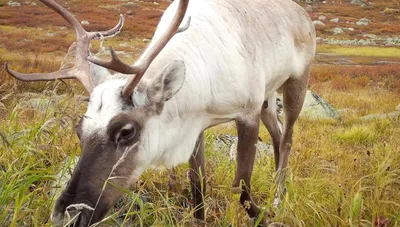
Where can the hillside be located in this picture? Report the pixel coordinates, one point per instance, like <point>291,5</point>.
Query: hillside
<point>342,172</point>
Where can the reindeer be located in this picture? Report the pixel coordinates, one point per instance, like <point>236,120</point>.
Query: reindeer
<point>224,64</point>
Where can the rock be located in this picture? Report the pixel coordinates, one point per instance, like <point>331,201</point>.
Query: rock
<point>124,45</point>
<point>14,4</point>
<point>85,22</point>
<point>363,22</point>
<point>318,22</point>
<point>322,17</point>
<point>392,115</point>
<point>370,36</point>
<point>398,108</point>
<point>146,40</point>
<point>130,5</point>
<point>356,42</point>
<point>227,143</point>
<point>50,34</point>
<point>335,20</point>
<point>308,8</point>
<point>350,29</point>
<point>315,107</point>
<point>357,2</point>
<point>392,41</point>
<point>337,31</point>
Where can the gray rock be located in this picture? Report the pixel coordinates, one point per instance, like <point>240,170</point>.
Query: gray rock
<point>308,8</point>
<point>124,45</point>
<point>337,31</point>
<point>315,107</point>
<point>370,36</point>
<point>14,4</point>
<point>392,115</point>
<point>318,22</point>
<point>335,20</point>
<point>363,22</point>
<point>322,17</point>
<point>50,34</point>
<point>85,22</point>
<point>357,2</point>
<point>356,42</point>
<point>392,41</point>
<point>227,144</point>
<point>350,29</point>
<point>130,5</point>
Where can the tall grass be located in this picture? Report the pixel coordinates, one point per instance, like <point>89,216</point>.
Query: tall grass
<point>341,173</point>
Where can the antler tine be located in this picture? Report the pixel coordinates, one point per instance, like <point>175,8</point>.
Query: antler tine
<point>62,74</point>
<point>117,65</point>
<point>81,69</point>
<point>186,26</point>
<point>157,48</point>
<point>110,33</point>
<point>58,75</point>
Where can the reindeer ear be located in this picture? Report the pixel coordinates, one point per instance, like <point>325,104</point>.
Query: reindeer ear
<point>164,86</point>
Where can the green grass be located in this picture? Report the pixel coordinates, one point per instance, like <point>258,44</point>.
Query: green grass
<point>361,51</point>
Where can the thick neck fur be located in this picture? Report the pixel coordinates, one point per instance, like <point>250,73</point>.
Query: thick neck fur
<point>237,54</point>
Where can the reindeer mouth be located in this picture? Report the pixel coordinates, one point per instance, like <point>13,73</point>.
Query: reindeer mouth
<point>79,214</point>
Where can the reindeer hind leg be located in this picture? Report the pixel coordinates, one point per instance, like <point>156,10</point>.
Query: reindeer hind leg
<point>294,91</point>
<point>270,119</point>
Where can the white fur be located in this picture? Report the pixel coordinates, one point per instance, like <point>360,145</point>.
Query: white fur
<point>237,53</point>
<point>104,104</point>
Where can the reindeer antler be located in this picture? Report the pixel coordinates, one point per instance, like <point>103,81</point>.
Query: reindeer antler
<point>81,69</point>
<point>139,69</point>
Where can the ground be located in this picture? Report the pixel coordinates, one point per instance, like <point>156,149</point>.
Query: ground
<point>342,172</point>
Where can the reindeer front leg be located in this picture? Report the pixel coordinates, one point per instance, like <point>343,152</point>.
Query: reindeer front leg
<point>197,177</point>
<point>247,138</point>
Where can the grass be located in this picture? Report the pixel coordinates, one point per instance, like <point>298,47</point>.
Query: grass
<point>342,173</point>
<point>360,51</point>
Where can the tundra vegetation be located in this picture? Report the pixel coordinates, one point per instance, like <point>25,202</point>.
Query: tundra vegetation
<point>342,172</point>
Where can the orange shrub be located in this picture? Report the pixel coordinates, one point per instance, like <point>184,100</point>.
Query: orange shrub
<point>342,83</point>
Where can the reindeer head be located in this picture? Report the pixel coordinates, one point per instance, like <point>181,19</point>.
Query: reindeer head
<point>119,131</point>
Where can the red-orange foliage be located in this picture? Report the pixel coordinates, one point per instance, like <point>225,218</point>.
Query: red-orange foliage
<point>342,77</point>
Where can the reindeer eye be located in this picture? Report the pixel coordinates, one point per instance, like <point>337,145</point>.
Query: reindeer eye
<point>126,134</point>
